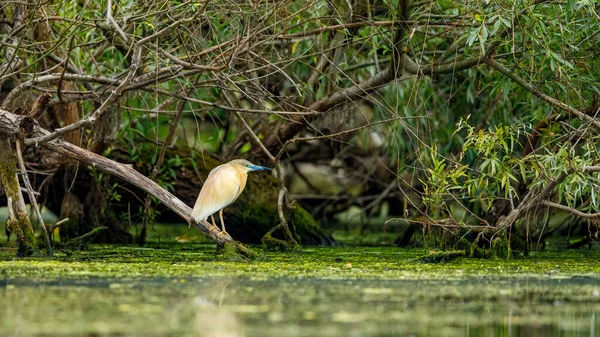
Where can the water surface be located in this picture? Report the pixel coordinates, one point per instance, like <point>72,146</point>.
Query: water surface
<point>301,306</point>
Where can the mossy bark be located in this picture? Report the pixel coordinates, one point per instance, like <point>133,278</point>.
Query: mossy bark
<point>235,251</point>
<point>255,213</point>
<point>18,222</point>
<point>81,243</point>
<point>272,243</point>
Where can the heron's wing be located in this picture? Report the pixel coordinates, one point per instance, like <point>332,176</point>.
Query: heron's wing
<point>220,189</point>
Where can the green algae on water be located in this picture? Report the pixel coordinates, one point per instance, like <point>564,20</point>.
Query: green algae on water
<point>331,263</point>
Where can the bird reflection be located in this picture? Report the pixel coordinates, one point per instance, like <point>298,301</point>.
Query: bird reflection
<point>212,320</point>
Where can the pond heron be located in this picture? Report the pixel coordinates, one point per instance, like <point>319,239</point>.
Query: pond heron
<point>223,186</point>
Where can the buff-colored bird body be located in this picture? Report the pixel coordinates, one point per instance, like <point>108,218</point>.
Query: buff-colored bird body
<point>223,186</point>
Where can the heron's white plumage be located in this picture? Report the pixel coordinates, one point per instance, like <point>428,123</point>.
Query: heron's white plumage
<point>223,186</point>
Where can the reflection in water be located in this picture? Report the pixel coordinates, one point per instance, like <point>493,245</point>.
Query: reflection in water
<point>301,307</point>
<point>212,320</point>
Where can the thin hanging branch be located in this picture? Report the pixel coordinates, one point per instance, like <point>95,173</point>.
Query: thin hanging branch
<point>136,62</point>
<point>32,199</point>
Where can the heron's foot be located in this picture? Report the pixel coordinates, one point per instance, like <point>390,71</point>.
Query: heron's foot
<point>224,232</point>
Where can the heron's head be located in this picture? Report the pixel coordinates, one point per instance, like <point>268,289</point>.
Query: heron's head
<point>247,166</point>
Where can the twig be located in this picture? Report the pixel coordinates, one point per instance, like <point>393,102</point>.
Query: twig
<point>255,138</point>
<point>16,92</point>
<point>70,68</point>
<point>25,190</point>
<point>591,168</point>
<point>32,198</point>
<point>361,24</point>
<point>304,139</point>
<point>380,197</point>
<point>189,65</point>
<point>10,54</point>
<point>283,73</point>
<point>234,109</point>
<point>111,21</point>
<point>444,223</point>
<point>60,222</point>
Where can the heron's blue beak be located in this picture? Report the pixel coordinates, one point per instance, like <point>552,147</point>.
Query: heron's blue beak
<point>258,168</point>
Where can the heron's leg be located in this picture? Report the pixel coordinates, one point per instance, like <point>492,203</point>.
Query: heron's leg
<point>213,222</point>
<point>222,222</point>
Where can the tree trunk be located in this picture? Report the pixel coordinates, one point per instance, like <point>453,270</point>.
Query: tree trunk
<point>18,221</point>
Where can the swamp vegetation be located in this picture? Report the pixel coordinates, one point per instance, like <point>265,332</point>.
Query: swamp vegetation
<point>436,167</point>
<point>475,123</point>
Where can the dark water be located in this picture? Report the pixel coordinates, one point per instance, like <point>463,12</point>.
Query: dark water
<point>301,307</point>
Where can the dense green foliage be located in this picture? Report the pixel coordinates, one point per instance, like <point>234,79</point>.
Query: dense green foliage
<point>471,116</point>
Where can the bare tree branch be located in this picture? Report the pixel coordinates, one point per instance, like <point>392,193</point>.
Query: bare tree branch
<point>571,210</point>
<point>530,87</point>
<point>116,93</point>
